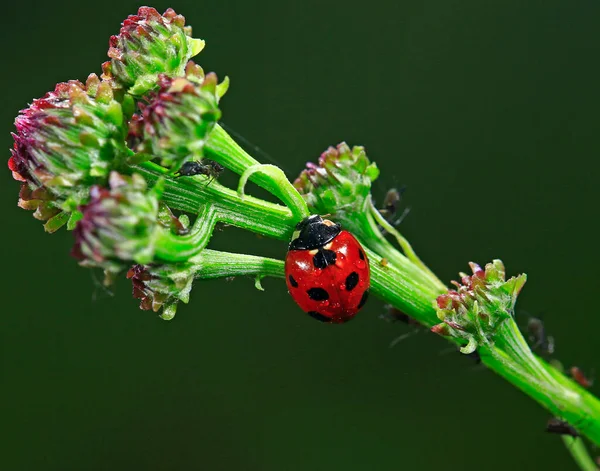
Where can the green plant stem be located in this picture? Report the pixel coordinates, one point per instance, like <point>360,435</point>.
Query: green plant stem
<point>579,453</point>
<point>174,248</point>
<point>191,194</point>
<point>284,191</point>
<point>510,357</point>
<point>364,227</point>
<point>405,245</point>
<point>399,280</point>
<point>217,264</point>
<point>221,147</point>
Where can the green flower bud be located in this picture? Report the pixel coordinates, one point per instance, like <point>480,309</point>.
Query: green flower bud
<point>119,224</point>
<point>65,142</point>
<point>480,304</point>
<point>179,118</point>
<point>340,183</point>
<point>147,45</point>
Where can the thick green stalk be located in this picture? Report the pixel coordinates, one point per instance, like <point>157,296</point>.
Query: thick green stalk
<point>191,194</point>
<point>404,244</point>
<point>365,228</point>
<point>510,357</point>
<point>216,264</point>
<point>221,147</point>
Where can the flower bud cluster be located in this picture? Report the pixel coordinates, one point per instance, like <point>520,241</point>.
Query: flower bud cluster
<point>119,224</point>
<point>149,44</point>
<point>341,181</point>
<point>175,124</point>
<point>75,151</point>
<point>161,287</point>
<point>479,305</point>
<point>67,141</point>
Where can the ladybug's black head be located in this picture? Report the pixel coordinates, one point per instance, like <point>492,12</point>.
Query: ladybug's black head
<point>313,232</point>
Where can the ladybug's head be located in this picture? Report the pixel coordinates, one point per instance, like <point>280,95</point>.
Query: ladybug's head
<point>314,232</point>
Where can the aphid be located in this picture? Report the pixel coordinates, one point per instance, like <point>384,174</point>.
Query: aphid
<point>391,205</point>
<point>327,271</point>
<point>580,377</point>
<point>206,167</point>
<point>561,427</point>
<point>475,356</point>
<point>384,262</point>
<point>538,336</point>
<point>395,315</point>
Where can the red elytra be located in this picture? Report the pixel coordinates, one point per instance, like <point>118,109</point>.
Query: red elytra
<point>327,271</point>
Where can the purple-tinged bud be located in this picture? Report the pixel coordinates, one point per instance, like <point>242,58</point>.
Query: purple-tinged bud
<point>147,45</point>
<point>65,142</point>
<point>341,182</point>
<point>480,304</point>
<point>162,286</point>
<point>178,119</point>
<point>119,224</point>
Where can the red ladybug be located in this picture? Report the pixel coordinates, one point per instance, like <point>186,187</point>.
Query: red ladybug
<point>327,271</point>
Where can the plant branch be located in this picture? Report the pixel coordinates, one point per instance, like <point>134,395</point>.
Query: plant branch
<point>579,453</point>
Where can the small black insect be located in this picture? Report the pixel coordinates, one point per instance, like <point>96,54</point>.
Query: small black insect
<point>391,205</point>
<point>206,167</point>
<point>561,427</point>
<point>475,356</point>
<point>392,314</point>
<point>538,337</point>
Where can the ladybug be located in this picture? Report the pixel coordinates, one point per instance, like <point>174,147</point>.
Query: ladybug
<point>326,271</point>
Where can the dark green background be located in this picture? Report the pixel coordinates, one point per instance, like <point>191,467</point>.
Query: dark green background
<point>487,111</point>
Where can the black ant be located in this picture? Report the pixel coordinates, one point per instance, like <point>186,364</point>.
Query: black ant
<point>538,336</point>
<point>561,427</point>
<point>206,167</point>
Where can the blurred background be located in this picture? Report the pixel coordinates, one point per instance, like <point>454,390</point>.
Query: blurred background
<point>486,111</point>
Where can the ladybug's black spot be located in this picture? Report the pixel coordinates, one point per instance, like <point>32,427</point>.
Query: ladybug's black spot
<point>351,281</point>
<point>318,294</point>
<point>293,282</point>
<point>363,300</point>
<point>319,317</point>
<point>323,258</point>
<point>361,254</point>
